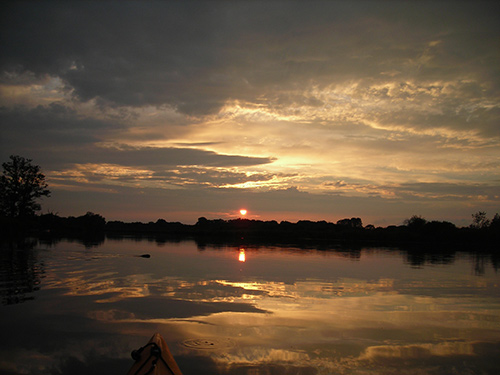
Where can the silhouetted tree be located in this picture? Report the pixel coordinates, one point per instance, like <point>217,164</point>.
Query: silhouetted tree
<point>91,222</point>
<point>202,221</point>
<point>354,222</point>
<point>415,222</point>
<point>479,220</point>
<point>21,184</point>
<point>495,223</point>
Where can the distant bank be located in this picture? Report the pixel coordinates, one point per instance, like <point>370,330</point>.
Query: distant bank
<point>414,230</point>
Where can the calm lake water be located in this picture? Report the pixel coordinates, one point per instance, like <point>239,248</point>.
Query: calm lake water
<point>71,309</point>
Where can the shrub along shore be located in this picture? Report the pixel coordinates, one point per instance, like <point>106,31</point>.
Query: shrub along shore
<point>414,230</point>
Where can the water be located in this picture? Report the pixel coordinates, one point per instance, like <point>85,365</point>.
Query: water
<point>71,309</point>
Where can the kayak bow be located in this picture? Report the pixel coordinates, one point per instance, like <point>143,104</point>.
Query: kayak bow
<point>154,358</point>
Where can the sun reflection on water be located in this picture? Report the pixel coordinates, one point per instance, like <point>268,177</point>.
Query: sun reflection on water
<point>242,256</point>
<point>297,312</point>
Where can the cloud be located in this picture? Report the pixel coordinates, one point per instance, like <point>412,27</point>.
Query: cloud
<point>156,157</point>
<point>214,177</point>
<point>393,99</point>
<point>66,137</point>
<point>54,124</point>
<point>160,176</point>
<point>419,351</point>
<point>195,58</point>
<point>449,190</point>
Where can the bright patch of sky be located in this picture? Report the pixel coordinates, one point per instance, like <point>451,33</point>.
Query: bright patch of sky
<point>378,110</point>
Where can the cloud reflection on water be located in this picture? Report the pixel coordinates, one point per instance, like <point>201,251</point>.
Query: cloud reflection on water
<point>337,324</point>
<point>316,313</point>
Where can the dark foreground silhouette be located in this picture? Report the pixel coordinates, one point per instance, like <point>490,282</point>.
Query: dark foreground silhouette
<point>416,230</point>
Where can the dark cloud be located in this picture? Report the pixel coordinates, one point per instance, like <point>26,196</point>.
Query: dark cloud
<point>54,117</point>
<point>163,156</point>
<point>63,137</point>
<point>420,191</point>
<point>196,55</point>
<point>48,129</point>
<point>447,191</point>
<point>400,85</point>
<point>155,159</point>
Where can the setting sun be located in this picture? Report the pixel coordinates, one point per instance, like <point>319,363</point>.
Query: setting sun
<point>364,138</point>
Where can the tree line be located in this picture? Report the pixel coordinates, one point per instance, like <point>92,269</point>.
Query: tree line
<point>22,184</point>
<point>414,230</point>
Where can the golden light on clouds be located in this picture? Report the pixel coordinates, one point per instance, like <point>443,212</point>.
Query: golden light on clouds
<point>377,107</point>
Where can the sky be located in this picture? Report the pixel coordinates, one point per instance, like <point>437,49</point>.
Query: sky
<point>293,110</point>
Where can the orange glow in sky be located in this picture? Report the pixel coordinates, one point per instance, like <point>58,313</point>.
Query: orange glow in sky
<point>242,257</point>
<point>253,127</point>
